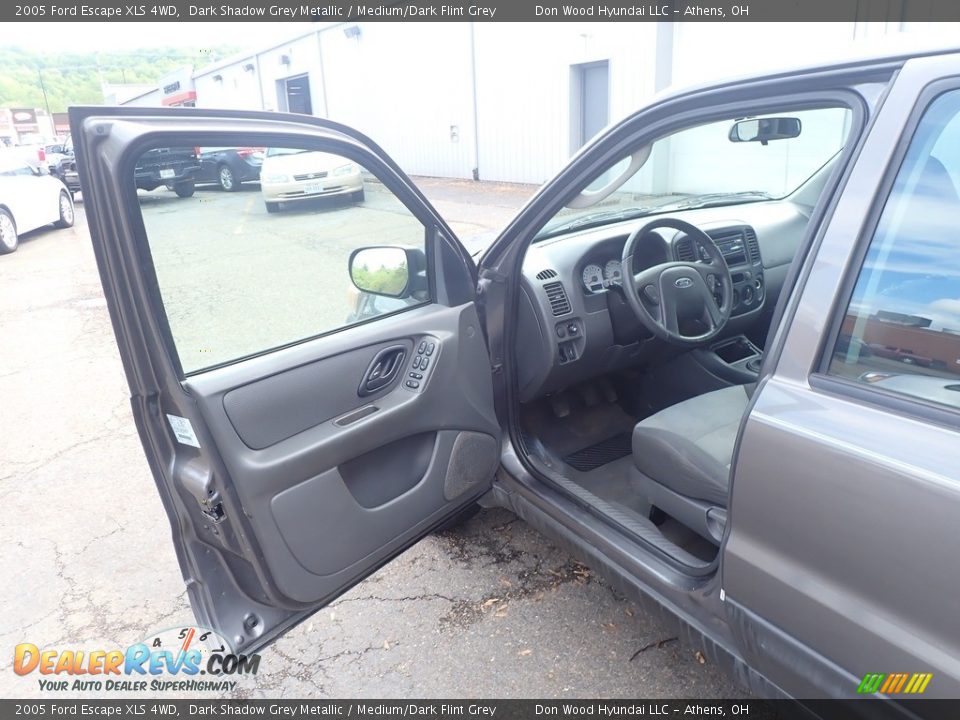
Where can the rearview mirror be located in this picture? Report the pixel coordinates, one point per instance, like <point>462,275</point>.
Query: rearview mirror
<point>763,130</point>
<point>383,270</point>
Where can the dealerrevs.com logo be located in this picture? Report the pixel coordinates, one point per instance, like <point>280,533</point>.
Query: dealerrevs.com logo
<point>189,659</point>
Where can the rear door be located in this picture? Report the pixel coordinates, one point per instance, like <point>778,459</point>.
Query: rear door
<point>301,431</point>
<point>840,567</point>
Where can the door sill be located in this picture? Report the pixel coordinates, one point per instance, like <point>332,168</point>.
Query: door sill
<point>635,530</point>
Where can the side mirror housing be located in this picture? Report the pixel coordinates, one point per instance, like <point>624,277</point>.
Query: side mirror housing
<point>388,270</point>
<point>763,130</point>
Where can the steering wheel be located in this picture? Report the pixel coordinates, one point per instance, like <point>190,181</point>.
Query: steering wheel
<point>673,296</point>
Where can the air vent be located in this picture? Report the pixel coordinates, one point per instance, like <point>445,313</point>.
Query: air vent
<point>684,250</point>
<point>753,247</point>
<point>558,298</point>
<point>546,274</point>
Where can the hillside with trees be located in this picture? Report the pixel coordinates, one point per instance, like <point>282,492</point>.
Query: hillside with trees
<point>75,78</point>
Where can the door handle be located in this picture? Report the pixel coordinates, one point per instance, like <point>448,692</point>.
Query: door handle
<point>384,367</point>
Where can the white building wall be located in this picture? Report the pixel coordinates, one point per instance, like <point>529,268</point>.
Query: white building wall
<point>232,87</point>
<point>408,87</point>
<point>303,56</point>
<point>445,99</point>
<point>524,81</point>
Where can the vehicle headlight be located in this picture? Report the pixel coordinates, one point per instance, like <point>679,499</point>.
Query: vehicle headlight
<point>275,178</point>
<point>349,169</point>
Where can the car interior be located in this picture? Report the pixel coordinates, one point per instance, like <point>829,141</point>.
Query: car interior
<point>641,329</point>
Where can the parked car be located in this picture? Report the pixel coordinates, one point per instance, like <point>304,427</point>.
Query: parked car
<point>591,371</point>
<point>29,199</point>
<point>291,175</point>
<point>170,167</point>
<point>229,167</point>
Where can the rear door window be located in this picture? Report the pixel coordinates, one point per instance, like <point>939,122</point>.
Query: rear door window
<point>901,329</point>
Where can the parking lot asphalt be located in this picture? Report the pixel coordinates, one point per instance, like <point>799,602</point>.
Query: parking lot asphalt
<point>491,610</point>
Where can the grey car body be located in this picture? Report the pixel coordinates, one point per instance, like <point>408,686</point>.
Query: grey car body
<point>836,540</point>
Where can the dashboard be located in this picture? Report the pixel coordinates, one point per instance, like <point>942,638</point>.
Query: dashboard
<point>573,321</point>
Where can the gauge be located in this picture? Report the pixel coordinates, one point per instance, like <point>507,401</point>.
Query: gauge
<point>611,273</point>
<point>593,278</point>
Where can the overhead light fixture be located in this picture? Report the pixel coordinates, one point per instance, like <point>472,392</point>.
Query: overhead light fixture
<point>218,78</point>
<point>249,67</point>
<point>352,32</point>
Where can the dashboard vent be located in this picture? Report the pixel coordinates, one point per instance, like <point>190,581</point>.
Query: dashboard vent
<point>753,247</point>
<point>684,250</point>
<point>557,296</point>
<point>546,274</point>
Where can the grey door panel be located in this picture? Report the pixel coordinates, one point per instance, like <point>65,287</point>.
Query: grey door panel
<point>853,554</point>
<point>273,409</point>
<point>327,500</point>
<point>843,509</point>
<point>287,476</point>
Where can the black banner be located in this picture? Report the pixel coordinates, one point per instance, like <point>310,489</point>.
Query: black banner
<point>484,11</point>
<point>477,709</point>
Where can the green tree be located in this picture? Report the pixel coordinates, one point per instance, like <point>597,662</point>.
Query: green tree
<point>75,78</point>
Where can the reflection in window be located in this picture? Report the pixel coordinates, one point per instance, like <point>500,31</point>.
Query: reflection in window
<point>902,328</point>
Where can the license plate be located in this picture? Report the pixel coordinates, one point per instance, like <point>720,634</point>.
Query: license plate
<point>168,173</point>
<point>313,188</point>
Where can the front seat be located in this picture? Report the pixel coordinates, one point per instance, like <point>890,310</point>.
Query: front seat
<point>682,457</point>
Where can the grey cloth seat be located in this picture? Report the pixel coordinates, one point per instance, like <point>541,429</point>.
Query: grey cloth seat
<point>689,446</point>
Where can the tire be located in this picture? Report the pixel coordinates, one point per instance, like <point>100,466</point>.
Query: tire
<point>272,207</point>
<point>226,179</point>
<point>8,233</point>
<point>185,189</point>
<point>358,196</point>
<point>66,210</point>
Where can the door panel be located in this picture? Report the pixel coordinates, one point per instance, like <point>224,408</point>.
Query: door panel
<point>308,494</point>
<point>300,435</point>
<point>839,562</point>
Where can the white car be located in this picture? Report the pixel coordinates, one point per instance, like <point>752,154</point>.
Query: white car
<point>29,199</point>
<point>288,175</point>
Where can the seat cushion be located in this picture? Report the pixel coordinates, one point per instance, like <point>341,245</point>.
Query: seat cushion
<point>689,446</point>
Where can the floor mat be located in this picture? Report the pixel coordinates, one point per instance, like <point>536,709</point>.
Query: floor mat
<point>601,453</point>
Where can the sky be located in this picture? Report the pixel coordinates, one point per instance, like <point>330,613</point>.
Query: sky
<point>76,36</point>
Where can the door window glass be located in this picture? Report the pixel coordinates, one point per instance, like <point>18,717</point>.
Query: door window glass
<point>262,261</point>
<point>901,331</point>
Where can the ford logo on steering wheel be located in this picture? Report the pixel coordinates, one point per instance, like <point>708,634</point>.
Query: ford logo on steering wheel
<point>683,282</point>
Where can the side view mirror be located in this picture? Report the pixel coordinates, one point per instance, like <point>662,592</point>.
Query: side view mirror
<point>763,130</point>
<point>387,270</point>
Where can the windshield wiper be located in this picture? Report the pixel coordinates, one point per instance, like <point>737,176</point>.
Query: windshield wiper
<point>594,220</point>
<point>710,199</point>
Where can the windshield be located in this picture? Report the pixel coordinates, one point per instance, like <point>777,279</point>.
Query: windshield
<point>703,167</point>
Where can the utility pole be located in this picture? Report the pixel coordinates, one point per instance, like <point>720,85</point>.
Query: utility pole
<point>46,102</point>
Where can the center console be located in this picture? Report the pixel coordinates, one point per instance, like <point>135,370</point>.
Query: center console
<point>742,254</point>
<point>735,359</point>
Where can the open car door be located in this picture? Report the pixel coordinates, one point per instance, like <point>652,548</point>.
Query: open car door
<point>307,370</point>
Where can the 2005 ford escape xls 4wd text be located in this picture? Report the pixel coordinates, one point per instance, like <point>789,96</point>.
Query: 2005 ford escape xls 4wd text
<point>717,358</point>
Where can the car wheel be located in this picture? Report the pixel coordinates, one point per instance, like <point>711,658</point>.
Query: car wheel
<point>8,233</point>
<point>185,189</point>
<point>357,196</point>
<point>227,180</point>
<point>272,207</point>
<point>66,211</point>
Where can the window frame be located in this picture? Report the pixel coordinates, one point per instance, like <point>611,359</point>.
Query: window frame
<point>820,378</point>
<point>350,150</point>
